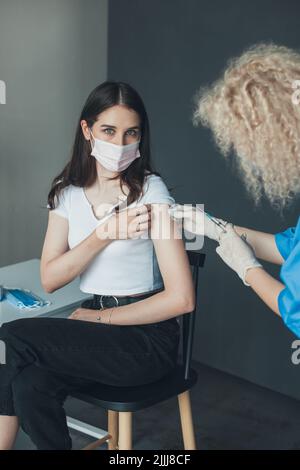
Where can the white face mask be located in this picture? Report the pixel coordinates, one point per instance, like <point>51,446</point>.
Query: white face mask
<point>115,157</point>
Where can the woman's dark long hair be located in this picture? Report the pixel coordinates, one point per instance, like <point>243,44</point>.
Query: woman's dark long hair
<point>81,169</point>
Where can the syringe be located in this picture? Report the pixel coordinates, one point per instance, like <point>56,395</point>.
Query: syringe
<point>217,222</point>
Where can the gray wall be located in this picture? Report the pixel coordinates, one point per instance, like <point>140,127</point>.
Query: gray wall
<point>167,49</point>
<point>52,54</point>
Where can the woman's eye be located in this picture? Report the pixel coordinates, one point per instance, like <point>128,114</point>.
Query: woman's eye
<point>132,132</point>
<point>109,131</point>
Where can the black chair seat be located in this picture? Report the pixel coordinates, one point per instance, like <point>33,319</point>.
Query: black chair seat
<point>137,397</point>
<point>120,402</point>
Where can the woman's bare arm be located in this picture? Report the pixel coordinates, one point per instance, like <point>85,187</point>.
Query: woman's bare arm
<point>177,298</point>
<point>59,264</point>
<point>263,244</point>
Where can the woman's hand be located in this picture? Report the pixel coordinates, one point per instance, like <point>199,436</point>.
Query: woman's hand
<point>127,223</point>
<point>87,314</point>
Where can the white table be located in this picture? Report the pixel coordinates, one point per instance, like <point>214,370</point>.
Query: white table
<point>63,302</point>
<point>27,275</point>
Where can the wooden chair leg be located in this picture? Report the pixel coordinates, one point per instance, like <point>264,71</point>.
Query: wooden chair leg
<point>97,443</point>
<point>113,429</point>
<point>125,430</point>
<point>186,421</point>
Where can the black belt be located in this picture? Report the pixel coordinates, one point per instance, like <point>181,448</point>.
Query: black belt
<point>114,301</point>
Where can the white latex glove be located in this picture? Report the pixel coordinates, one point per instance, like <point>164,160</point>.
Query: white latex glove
<point>236,253</point>
<point>197,222</point>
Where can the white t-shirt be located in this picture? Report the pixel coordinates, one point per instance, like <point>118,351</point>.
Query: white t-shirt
<point>124,267</point>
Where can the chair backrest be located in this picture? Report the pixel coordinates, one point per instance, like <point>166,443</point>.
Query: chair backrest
<point>197,260</point>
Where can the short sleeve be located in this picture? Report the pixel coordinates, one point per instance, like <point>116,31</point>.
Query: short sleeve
<point>289,297</point>
<point>62,203</point>
<point>285,241</point>
<point>156,191</point>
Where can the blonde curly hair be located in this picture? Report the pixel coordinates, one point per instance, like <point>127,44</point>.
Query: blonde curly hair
<point>252,110</point>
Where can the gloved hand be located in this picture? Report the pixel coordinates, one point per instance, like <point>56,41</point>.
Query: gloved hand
<point>197,222</point>
<point>236,253</point>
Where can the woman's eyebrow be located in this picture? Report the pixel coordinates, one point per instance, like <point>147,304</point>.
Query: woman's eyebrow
<point>114,127</point>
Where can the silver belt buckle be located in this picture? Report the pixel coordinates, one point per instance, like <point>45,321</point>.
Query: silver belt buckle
<point>101,303</point>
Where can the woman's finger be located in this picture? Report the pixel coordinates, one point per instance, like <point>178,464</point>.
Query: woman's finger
<point>138,230</point>
<point>137,227</point>
<point>73,316</point>
<point>142,218</point>
<point>139,210</point>
<point>141,227</point>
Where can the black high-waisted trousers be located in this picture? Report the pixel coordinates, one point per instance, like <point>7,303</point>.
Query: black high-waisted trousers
<point>47,358</point>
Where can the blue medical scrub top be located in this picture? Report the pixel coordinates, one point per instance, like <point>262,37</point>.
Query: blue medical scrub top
<point>288,244</point>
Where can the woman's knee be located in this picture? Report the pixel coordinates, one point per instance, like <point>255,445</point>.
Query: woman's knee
<point>4,330</point>
<point>11,327</point>
<point>33,385</point>
<point>7,331</point>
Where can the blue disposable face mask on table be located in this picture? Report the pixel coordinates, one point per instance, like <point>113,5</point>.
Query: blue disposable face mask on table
<point>23,298</point>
